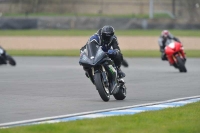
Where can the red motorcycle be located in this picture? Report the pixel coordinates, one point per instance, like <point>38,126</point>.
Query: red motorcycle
<point>175,54</point>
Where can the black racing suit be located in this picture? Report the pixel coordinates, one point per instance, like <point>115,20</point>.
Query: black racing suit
<point>162,43</point>
<point>2,55</point>
<point>118,58</point>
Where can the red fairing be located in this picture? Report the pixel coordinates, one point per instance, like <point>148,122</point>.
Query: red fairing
<point>182,53</point>
<point>173,48</point>
<point>169,52</point>
<point>177,46</point>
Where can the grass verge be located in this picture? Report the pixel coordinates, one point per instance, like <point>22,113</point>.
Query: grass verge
<point>57,32</point>
<point>185,119</point>
<point>126,53</point>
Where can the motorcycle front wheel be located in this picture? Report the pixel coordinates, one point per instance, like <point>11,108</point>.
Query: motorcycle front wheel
<point>103,91</point>
<point>181,64</point>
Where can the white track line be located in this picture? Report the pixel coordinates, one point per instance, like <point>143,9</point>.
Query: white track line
<point>94,114</point>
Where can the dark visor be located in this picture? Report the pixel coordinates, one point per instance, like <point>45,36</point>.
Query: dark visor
<point>107,37</point>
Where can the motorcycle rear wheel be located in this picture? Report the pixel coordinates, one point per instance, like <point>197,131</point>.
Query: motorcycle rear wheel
<point>121,94</point>
<point>104,94</point>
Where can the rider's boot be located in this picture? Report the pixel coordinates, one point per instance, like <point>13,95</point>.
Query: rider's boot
<point>163,57</point>
<point>86,71</point>
<point>86,74</point>
<point>89,75</point>
<point>120,73</point>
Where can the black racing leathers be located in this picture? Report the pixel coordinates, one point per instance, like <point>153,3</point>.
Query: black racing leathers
<point>105,47</point>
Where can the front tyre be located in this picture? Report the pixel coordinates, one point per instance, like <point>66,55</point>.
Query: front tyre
<point>11,61</point>
<point>103,91</point>
<point>121,94</point>
<point>181,64</point>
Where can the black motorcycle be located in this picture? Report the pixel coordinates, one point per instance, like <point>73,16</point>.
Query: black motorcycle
<point>102,73</point>
<point>5,58</point>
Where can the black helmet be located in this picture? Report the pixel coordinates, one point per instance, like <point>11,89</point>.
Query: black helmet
<point>107,34</point>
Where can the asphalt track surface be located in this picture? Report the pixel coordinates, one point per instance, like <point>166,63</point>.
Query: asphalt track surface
<point>41,87</point>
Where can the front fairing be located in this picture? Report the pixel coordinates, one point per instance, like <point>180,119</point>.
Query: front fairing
<point>168,42</point>
<point>84,60</point>
<point>94,55</point>
<point>172,47</point>
<point>99,57</point>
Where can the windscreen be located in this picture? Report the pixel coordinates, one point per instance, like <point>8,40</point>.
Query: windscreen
<point>92,49</point>
<point>168,41</point>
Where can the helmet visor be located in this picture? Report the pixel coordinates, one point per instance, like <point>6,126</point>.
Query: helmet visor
<point>165,33</point>
<point>107,37</point>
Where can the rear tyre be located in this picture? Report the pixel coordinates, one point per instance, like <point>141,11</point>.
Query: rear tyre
<point>11,61</point>
<point>181,64</point>
<point>103,91</point>
<point>121,94</point>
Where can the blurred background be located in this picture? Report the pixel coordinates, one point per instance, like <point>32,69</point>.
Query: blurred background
<point>93,14</point>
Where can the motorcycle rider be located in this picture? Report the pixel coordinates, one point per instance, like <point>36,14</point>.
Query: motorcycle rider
<point>106,38</point>
<point>2,55</point>
<point>165,35</point>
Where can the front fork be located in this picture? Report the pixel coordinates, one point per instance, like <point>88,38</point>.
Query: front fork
<point>91,74</point>
<point>104,75</point>
<point>110,79</point>
<point>105,78</point>
<point>113,76</point>
<point>178,54</point>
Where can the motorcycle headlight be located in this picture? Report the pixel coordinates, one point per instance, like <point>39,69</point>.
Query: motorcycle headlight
<point>84,59</point>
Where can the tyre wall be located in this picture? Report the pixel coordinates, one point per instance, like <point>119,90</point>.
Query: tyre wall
<point>93,23</point>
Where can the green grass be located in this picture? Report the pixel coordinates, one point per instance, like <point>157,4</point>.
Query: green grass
<point>184,119</point>
<point>43,52</point>
<point>126,53</point>
<point>54,32</point>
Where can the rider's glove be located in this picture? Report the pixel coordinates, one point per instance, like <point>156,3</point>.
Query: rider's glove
<point>112,51</point>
